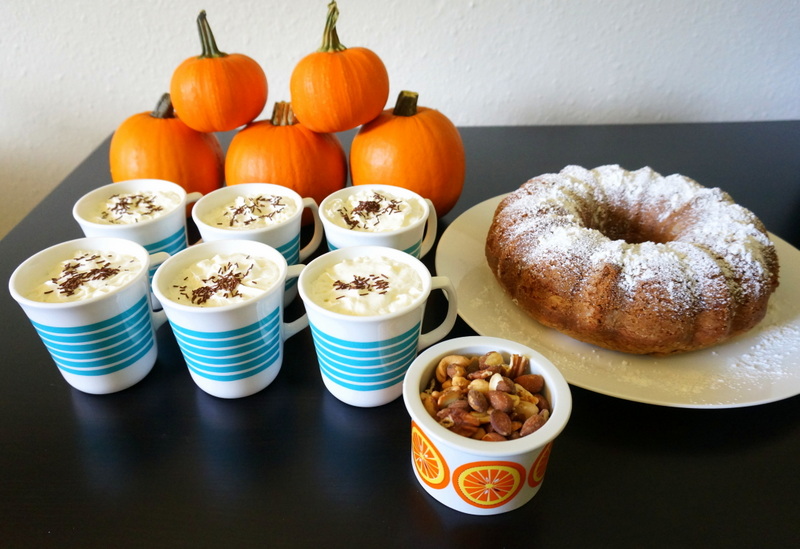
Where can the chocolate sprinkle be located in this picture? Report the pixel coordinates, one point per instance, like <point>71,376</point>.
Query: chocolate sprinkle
<point>369,210</point>
<point>255,208</point>
<point>130,204</point>
<point>364,284</point>
<point>71,279</point>
<point>225,282</point>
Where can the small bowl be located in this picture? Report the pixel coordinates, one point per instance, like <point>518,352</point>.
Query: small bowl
<point>474,476</point>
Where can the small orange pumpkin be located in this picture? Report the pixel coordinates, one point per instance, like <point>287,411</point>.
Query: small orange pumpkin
<point>217,91</point>
<point>158,145</point>
<point>337,88</point>
<point>412,147</point>
<point>285,152</point>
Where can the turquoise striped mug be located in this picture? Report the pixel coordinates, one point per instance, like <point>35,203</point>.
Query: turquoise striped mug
<point>89,301</point>
<point>379,215</point>
<point>365,307</point>
<point>150,212</point>
<point>263,212</point>
<point>224,302</point>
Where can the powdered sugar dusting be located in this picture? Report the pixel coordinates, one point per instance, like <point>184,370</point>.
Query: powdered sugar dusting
<point>548,218</point>
<point>771,349</point>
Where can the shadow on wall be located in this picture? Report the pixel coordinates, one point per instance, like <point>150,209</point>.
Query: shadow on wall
<point>25,183</point>
<point>29,175</point>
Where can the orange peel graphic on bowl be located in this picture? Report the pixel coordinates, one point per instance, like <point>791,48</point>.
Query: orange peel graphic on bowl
<point>428,461</point>
<point>539,466</point>
<point>488,484</point>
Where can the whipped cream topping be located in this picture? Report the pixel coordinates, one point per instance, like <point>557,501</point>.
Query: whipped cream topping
<point>86,275</point>
<point>129,208</point>
<point>374,211</point>
<point>249,212</point>
<point>366,286</point>
<point>224,280</point>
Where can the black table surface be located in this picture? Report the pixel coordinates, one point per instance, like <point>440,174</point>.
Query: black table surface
<point>164,464</point>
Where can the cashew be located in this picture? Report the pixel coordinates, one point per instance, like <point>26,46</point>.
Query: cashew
<point>456,360</point>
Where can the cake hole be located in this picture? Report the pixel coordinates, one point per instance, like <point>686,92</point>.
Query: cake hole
<point>618,224</point>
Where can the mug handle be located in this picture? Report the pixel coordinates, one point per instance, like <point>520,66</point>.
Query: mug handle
<point>316,238</point>
<point>431,227</point>
<point>291,328</point>
<point>158,318</point>
<point>158,257</point>
<point>191,198</point>
<point>429,338</point>
<point>155,305</point>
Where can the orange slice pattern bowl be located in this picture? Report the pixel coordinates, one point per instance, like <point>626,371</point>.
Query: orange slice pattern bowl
<point>488,484</point>
<point>428,461</point>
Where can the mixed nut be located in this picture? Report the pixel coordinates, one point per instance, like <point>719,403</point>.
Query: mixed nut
<point>485,398</point>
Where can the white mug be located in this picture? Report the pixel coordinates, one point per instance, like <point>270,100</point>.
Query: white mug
<point>379,215</point>
<point>105,342</point>
<point>162,231</point>
<point>213,216</point>
<point>236,349</point>
<point>363,358</point>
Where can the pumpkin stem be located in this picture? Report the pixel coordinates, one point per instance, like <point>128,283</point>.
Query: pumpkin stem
<point>282,114</point>
<point>164,108</point>
<point>406,104</point>
<point>210,48</point>
<point>330,38</point>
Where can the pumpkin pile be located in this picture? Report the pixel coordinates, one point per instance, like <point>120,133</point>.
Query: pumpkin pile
<point>333,89</point>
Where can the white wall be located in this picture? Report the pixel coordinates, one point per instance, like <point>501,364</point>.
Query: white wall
<point>72,71</point>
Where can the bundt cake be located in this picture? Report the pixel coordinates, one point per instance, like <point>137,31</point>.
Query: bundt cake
<point>633,261</point>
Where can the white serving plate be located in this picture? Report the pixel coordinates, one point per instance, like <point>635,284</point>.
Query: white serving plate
<point>758,367</point>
